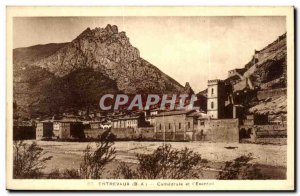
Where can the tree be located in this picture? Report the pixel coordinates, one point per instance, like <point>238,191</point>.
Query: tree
<point>164,163</point>
<point>29,160</point>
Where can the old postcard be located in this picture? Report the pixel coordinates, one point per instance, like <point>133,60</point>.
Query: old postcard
<point>150,98</point>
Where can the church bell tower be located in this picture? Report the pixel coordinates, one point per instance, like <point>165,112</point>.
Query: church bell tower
<point>216,99</point>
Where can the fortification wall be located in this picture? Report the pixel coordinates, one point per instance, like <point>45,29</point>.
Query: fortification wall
<point>271,127</point>
<point>271,93</point>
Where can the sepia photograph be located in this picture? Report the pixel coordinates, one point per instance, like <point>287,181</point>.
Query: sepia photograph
<point>150,98</point>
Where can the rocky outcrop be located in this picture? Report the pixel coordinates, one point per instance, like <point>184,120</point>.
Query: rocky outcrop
<point>105,51</point>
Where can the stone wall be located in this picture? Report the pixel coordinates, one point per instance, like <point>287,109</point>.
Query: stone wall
<point>175,136</point>
<point>267,134</point>
<point>93,133</point>
<point>123,133</point>
<point>221,130</point>
<point>145,133</point>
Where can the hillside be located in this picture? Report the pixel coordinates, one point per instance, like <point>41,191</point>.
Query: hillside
<point>25,56</point>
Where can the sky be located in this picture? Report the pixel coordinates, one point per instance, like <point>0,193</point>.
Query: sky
<point>189,49</point>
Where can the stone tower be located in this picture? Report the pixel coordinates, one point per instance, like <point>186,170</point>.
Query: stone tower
<point>216,99</point>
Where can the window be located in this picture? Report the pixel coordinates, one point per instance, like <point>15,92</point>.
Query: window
<point>212,91</point>
<point>212,105</point>
<point>202,123</point>
<point>159,126</point>
<point>169,125</point>
<point>179,125</point>
<point>189,125</point>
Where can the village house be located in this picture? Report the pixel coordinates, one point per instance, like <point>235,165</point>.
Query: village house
<point>44,130</point>
<point>23,130</point>
<point>68,129</point>
<point>106,125</point>
<point>99,125</point>
<point>95,124</point>
<point>129,122</point>
<point>59,129</point>
<point>150,115</point>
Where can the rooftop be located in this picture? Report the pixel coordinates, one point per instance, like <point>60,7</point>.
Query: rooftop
<point>126,118</point>
<point>175,112</point>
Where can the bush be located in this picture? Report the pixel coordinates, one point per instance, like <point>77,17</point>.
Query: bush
<point>240,168</point>
<point>66,174</point>
<point>94,162</point>
<point>164,163</point>
<point>29,160</point>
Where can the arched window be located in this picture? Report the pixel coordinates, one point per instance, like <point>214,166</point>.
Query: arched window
<point>212,105</point>
<point>159,126</point>
<point>212,91</point>
<point>189,125</point>
<point>169,125</point>
<point>179,125</point>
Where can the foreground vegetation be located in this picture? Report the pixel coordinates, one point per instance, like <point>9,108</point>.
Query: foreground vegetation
<point>165,162</point>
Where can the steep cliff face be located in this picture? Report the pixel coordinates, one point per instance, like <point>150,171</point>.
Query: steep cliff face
<point>54,77</point>
<point>110,52</point>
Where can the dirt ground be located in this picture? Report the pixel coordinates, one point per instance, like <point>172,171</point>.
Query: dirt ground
<point>67,155</point>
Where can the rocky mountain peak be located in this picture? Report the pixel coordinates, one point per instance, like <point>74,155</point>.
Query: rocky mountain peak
<point>100,48</point>
<point>188,89</point>
<point>100,58</point>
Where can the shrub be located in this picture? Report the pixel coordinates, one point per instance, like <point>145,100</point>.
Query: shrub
<point>29,160</point>
<point>94,162</point>
<point>240,168</point>
<point>164,163</point>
